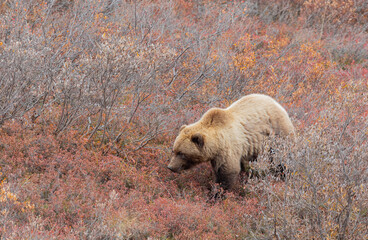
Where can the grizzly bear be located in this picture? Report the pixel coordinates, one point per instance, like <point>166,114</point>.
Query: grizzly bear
<point>229,138</point>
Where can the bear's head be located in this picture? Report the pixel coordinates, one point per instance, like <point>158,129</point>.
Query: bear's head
<point>188,150</point>
<point>198,142</point>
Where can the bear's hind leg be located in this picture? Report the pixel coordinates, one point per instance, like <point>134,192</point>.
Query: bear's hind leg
<point>277,170</point>
<point>245,167</point>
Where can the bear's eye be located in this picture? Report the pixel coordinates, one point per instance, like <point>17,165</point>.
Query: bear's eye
<point>179,154</point>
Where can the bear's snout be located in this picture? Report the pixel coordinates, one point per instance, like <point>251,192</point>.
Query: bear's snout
<point>176,164</point>
<point>171,168</point>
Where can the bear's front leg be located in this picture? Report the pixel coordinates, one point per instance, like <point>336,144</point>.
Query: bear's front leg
<point>227,177</point>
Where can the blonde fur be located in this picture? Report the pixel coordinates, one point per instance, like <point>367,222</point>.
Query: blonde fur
<point>232,136</point>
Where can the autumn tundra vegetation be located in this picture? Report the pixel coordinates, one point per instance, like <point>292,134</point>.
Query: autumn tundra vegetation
<point>93,94</point>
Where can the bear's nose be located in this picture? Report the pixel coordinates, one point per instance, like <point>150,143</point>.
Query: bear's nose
<point>171,168</point>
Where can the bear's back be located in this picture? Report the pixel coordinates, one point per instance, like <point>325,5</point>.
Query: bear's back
<point>262,112</point>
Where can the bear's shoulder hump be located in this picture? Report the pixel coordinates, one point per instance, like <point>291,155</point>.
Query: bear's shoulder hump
<point>216,117</point>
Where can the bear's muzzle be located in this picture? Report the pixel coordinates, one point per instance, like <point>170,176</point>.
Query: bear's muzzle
<point>172,169</point>
<point>176,164</point>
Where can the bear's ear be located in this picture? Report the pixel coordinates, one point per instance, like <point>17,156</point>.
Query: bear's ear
<point>216,117</point>
<point>198,140</point>
<point>182,127</point>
